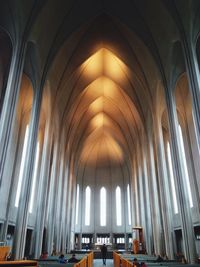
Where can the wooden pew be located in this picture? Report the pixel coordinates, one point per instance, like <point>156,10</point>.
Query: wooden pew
<point>20,263</point>
<point>82,263</point>
<point>4,251</point>
<point>116,259</point>
<point>52,261</point>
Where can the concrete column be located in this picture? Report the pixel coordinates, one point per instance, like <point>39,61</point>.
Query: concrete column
<point>184,208</point>
<point>136,193</point>
<point>154,196</point>
<point>70,205</point>
<point>133,195</point>
<point>12,185</point>
<point>52,202</point>
<point>190,145</point>
<point>147,201</point>
<point>141,191</point>
<point>194,81</point>
<point>64,208</point>
<point>137,188</point>
<point>111,239</point>
<point>59,209</point>
<point>23,209</point>
<point>43,191</point>
<point>126,241</point>
<point>163,181</point>
<point>80,240</point>
<point>10,102</point>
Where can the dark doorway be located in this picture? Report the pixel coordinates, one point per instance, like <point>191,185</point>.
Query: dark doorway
<point>44,249</point>
<point>119,241</point>
<point>10,235</point>
<point>27,252</point>
<point>179,241</point>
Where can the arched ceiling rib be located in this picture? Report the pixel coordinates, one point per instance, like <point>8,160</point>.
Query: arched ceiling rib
<point>103,120</point>
<point>102,97</point>
<point>104,60</point>
<point>102,86</point>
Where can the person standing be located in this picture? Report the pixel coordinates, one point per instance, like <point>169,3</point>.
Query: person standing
<point>104,253</point>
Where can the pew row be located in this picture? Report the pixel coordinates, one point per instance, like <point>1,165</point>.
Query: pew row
<point>20,263</point>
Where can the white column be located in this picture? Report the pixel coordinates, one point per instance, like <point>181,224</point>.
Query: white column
<point>23,209</point>
<point>64,208</point>
<point>147,201</point>
<point>59,210</point>
<point>194,80</point>
<point>43,190</point>
<point>154,196</point>
<point>133,195</point>
<point>163,180</point>
<point>10,102</point>
<point>184,208</point>
<point>52,201</point>
<point>69,201</point>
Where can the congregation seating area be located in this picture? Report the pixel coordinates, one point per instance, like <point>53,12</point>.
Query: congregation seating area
<point>21,263</point>
<point>126,260</point>
<point>85,260</point>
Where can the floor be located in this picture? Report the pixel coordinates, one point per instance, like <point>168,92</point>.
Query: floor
<point>99,263</point>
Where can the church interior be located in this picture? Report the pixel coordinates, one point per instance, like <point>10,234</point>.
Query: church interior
<point>100,127</point>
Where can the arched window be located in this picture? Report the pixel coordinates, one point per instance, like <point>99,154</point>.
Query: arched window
<point>87,205</point>
<point>118,206</point>
<point>77,202</point>
<point>185,167</point>
<point>21,172</point>
<point>175,204</point>
<point>34,177</point>
<point>103,206</point>
<point>129,205</point>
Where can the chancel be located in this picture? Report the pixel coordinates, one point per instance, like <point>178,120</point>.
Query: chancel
<point>100,129</point>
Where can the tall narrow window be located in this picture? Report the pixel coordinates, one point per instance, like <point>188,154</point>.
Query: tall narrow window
<point>87,205</point>
<point>118,206</point>
<point>129,205</point>
<point>185,167</point>
<point>195,130</point>
<point>77,202</point>
<point>171,174</point>
<point>21,172</point>
<point>34,178</point>
<point>103,206</point>
<point>136,198</point>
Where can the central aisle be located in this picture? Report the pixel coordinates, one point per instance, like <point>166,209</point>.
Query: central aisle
<point>99,263</point>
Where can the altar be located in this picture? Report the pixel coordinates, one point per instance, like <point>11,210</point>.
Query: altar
<point>97,246</point>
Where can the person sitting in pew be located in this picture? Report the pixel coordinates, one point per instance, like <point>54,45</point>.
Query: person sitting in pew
<point>159,259</point>
<point>73,259</point>
<point>44,255</point>
<point>143,264</point>
<point>62,259</point>
<point>135,263</point>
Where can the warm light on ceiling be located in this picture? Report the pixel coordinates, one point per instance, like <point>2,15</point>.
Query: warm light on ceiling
<point>102,87</point>
<point>103,95</point>
<point>104,62</point>
<point>100,120</point>
<point>97,105</point>
<point>102,150</point>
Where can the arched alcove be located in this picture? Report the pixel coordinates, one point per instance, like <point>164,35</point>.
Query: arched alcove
<point>23,116</point>
<point>188,136</point>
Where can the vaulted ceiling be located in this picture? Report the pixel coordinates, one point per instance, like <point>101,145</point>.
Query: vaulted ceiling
<point>102,63</point>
